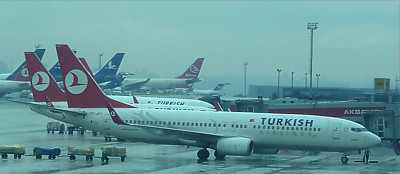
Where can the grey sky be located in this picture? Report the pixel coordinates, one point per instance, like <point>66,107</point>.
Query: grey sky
<point>355,42</point>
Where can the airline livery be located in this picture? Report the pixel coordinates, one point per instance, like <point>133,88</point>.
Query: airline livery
<point>48,96</point>
<point>190,76</point>
<point>227,133</point>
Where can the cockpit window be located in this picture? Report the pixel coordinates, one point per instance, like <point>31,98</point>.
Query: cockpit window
<point>359,129</point>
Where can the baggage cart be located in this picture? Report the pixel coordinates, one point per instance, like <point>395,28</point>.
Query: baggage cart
<point>16,150</point>
<point>51,152</point>
<point>113,151</point>
<point>88,152</point>
<point>53,126</point>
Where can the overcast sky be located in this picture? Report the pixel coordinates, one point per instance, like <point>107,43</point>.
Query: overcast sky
<point>355,41</point>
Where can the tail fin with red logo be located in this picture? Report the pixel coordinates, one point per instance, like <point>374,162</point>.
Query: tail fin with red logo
<point>81,89</point>
<point>44,87</point>
<point>193,71</point>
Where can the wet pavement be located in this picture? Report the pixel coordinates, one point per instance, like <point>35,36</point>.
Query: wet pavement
<point>24,127</point>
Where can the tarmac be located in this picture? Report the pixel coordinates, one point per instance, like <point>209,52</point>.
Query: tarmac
<point>21,126</point>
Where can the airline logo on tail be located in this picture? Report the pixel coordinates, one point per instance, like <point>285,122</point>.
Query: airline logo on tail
<point>25,72</point>
<point>40,81</point>
<point>110,66</point>
<point>76,81</point>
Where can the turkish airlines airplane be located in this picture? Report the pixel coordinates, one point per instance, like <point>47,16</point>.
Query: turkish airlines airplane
<point>189,77</point>
<point>45,89</point>
<point>228,133</point>
<point>18,80</point>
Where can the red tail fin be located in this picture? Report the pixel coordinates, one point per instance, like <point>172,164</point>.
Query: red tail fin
<point>44,87</point>
<point>82,90</point>
<point>193,71</point>
<point>85,64</point>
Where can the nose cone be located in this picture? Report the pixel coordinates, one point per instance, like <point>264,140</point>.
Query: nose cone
<point>372,140</point>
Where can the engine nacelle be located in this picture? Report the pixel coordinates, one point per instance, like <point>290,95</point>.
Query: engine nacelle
<point>235,146</point>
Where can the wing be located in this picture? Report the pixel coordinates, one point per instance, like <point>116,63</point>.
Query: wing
<point>135,85</point>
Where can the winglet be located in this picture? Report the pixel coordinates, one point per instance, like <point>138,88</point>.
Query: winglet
<point>81,89</point>
<point>44,87</point>
<point>193,71</point>
<point>114,115</point>
<point>217,106</point>
<point>135,100</point>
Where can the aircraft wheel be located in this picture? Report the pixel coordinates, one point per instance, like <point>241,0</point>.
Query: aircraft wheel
<point>203,154</point>
<point>218,156</point>
<point>344,159</point>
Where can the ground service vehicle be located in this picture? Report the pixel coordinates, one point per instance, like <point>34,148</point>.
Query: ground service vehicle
<point>17,150</point>
<point>51,152</point>
<point>88,152</point>
<point>113,151</point>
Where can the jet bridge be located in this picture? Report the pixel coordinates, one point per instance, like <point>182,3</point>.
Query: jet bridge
<point>385,124</point>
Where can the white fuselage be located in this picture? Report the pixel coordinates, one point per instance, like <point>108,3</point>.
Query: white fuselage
<point>164,101</point>
<point>9,86</point>
<point>166,83</point>
<point>206,92</point>
<point>268,131</point>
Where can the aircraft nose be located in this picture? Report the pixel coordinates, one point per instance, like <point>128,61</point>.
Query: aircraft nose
<point>373,140</point>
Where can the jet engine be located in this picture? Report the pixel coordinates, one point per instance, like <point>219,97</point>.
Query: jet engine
<point>235,146</point>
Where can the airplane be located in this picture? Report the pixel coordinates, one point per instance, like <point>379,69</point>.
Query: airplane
<point>227,133</point>
<point>47,94</point>
<point>18,80</point>
<point>190,76</point>
<point>207,93</point>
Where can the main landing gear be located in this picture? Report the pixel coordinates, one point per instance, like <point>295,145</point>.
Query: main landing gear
<point>344,159</point>
<point>203,154</point>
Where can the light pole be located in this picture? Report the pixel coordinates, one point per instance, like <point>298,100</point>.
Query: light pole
<point>318,75</point>
<point>306,81</point>
<point>245,80</point>
<point>312,27</point>
<point>279,76</point>
<point>292,83</point>
<point>100,55</point>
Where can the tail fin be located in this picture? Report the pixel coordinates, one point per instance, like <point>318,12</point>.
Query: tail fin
<point>110,69</point>
<point>193,71</point>
<point>219,87</point>
<point>56,72</point>
<point>82,90</point>
<point>21,73</point>
<point>85,64</point>
<point>44,87</point>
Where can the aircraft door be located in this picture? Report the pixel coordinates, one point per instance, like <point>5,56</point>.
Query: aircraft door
<point>107,122</point>
<point>336,131</point>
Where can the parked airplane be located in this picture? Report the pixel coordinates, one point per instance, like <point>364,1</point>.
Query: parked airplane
<point>228,133</point>
<point>47,95</point>
<point>18,80</point>
<point>190,76</point>
<point>207,93</point>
